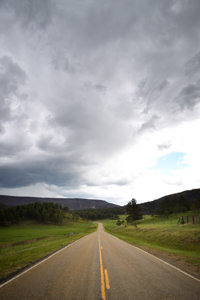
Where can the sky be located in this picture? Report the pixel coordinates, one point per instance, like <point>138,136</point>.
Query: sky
<point>99,99</point>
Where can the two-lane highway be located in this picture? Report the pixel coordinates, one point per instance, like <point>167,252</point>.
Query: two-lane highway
<point>100,266</point>
<point>134,274</point>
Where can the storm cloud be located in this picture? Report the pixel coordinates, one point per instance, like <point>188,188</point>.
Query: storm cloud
<point>92,93</point>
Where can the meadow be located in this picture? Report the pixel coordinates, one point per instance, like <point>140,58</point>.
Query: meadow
<point>165,235</point>
<point>22,245</point>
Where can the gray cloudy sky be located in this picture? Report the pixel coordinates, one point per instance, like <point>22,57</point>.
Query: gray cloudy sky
<point>99,99</point>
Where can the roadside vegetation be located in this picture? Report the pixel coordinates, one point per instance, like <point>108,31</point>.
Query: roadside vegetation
<point>22,244</point>
<point>166,234</point>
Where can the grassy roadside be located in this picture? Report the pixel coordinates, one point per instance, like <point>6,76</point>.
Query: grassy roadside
<point>164,235</point>
<point>14,257</point>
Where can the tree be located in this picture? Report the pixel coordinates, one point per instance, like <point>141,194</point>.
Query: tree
<point>134,211</point>
<point>196,205</point>
<point>166,207</point>
<point>66,208</point>
<point>118,222</point>
<point>3,219</point>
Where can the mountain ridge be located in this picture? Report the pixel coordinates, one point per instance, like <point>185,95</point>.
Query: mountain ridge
<point>72,203</point>
<point>150,207</point>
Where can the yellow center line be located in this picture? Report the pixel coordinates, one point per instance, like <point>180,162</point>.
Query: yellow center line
<point>107,279</point>
<point>103,293</point>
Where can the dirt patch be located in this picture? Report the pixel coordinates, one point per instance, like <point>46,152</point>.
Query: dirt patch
<point>175,260</point>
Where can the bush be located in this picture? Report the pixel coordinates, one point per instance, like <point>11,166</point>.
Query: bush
<point>119,222</point>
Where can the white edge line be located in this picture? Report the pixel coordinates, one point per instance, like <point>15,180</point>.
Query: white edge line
<point>45,259</point>
<point>167,264</point>
<point>160,260</point>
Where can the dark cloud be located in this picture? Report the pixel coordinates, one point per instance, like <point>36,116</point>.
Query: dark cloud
<point>31,14</point>
<point>150,90</point>
<point>149,125</point>
<point>193,64</point>
<point>100,87</point>
<point>88,85</point>
<point>12,76</point>
<point>61,62</point>
<point>49,170</point>
<point>79,79</point>
<point>189,96</point>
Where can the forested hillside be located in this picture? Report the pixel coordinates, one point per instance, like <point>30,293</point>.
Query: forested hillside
<point>174,203</point>
<point>41,212</point>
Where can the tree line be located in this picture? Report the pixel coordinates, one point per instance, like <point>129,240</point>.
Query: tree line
<point>41,212</point>
<point>100,214</point>
<point>177,205</point>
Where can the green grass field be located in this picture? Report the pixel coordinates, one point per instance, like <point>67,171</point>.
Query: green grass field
<point>161,234</point>
<point>15,257</point>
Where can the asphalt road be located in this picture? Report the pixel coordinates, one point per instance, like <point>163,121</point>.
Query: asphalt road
<point>100,266</point>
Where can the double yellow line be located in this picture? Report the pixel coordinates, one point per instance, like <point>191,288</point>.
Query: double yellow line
<point>103,292</point>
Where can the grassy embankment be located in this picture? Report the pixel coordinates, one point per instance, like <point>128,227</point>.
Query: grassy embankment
<point>164,235</point>
<point>30,248</point>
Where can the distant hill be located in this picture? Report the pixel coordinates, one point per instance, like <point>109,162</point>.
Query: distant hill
<point>72,203</point>
<point>151,207</point>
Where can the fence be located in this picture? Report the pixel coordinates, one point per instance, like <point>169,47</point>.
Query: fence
<point>192,219</point>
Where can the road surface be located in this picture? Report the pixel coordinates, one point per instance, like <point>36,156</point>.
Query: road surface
<point>100,266</point>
